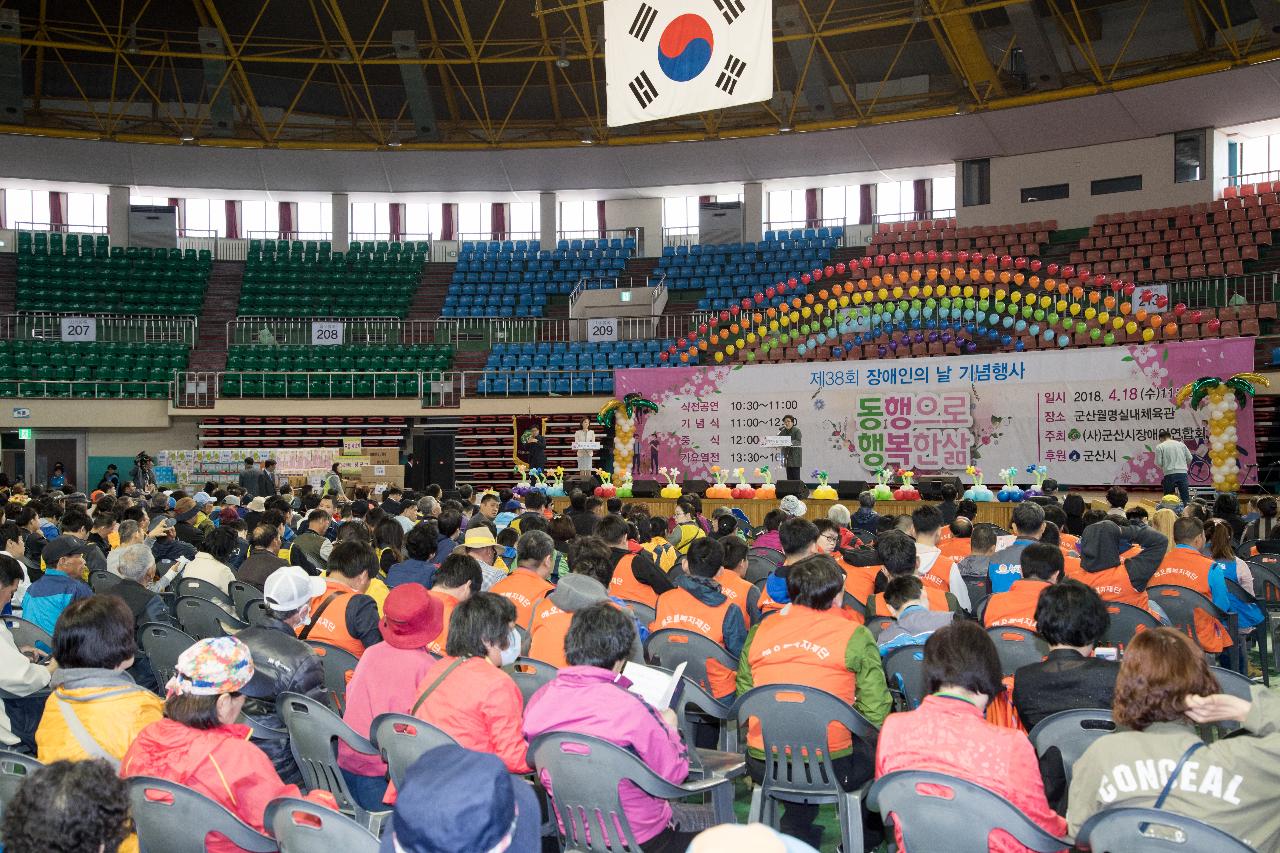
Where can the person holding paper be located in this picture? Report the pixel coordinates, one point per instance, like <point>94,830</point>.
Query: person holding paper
<point>791,454</point>
<point>584,435</point>
<point>592,697</point>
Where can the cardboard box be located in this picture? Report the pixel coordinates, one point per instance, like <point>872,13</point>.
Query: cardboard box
<point>387,475</point>
<point>383,455</point>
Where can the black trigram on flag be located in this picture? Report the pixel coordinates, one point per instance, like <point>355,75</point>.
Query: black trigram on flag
<point>643,22</point>
<point>732,73</point>
<point>730,9</point>
<point>643,89</point>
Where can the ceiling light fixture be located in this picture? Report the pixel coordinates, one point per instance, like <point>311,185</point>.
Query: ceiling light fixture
<point>785,128</point>
<point>187,138</point>
<point>562,60</point>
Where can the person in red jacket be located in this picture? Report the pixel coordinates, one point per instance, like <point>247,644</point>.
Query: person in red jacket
<point>1041,568</point>
<point>200,745</point>
<point>949,734</point>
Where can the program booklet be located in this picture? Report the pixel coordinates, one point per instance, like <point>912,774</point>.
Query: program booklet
<point>659,687</point>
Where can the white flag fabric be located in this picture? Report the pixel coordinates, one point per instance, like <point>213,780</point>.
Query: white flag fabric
<point>666,58</point>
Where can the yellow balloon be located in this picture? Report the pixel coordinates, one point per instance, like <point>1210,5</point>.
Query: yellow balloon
<point>882,294</point>
<point>968,292</point>
<point>1090,313</point>
<point>1045,301</point>
<point>913,291</point>
<point>729,350</point>
<point>773,325</point>
<point>1130,327</point>
<point>805,312</point>
<point>1075,308</point>
<point>984,292</point>
<point>897,293</point>
<point>719,357</point>
<point>1103,318</point>
<point>751,337</point>
<point>831,304</point>
<point>1148,334</point>
<point>844,301</point>
<point>927,290</point>
<point>1117,322</point>
<point>1016,296</point>
<point>786,320</point>
<point>1060,306</point>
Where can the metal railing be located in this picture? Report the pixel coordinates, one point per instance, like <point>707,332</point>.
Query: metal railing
<point>914,216</point>
<point>1249,178</point>
<point>616,283</point>
<point>686,235</point>
<point>834,223</point>
<point>1251,289</point>
<point>385,237</point>
<point>595,234</point>
<point>289,235</point>
<point>85,389</point>
<point>277,331</point>
<point>122,328</point>
<point>201,389</point>
<point>60,228</point>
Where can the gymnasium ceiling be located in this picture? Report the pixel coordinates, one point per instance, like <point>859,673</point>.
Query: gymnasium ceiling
<point>467,74</point>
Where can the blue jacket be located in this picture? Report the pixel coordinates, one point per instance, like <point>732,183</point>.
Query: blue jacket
<point>49,596</point>
<point>411,571</point>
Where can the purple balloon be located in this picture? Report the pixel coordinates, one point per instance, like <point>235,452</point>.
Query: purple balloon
<point>933,337</point>
<point>882,349</point>
<point>970,347</point>
<point>893,345</point>
<point>946,337</point>
<point>918,338</point>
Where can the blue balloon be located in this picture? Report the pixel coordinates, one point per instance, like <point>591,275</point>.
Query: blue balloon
<point>1005,340</point>
<point>1007,322</point>
<point>1034,329</point>
<point>858,339</point>
<point>838,352</point>
<point>1020,326</point>
<point>1064,340</point>
<point>1019,346</point>
<point>914,312</point>
<point>802,349</point>
<point>1048,334</point>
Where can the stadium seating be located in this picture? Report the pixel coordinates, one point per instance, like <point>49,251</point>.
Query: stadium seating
<point>564,368</point>
<point>88,370</point>
<point>1023,238</point>
<point>297,278</point>
<point>256,371</point>
<point>514,278</point>
<point>83,273</point>
<point>731,272</point>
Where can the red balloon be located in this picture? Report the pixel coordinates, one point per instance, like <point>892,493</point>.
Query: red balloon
<point>1179,309</point>
<point>759,298</point>
<point>917,257</point>
<point>880,260</point>
<point>769,292</point>
<point>805,279</point>
<point>1162,302</point>
<point>962,256</point>
<point>734,310</point>
<point>1128,290</point>
<point>1035,265</point>
<point>1052,269</point>
<point>702,328</point>
<point>1195,316</point>
<point>724,316</point>
<point>791,282</point>
<point>840,268</point>
<point>817,275</point>
<point>931,255</point>
<point>746,303</point>
<point>666,356</point>
<point>866,261</point>
<point>893,258</point>
<point>947,256</point>
<point>1214,325</point>
<point>1005,262</point>
<point>682,343</point>
<point>1067,272</point>
<point>830,271</point>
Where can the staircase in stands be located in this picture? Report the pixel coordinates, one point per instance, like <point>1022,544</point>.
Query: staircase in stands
<point>221,300</point>
<point>433,286</point>
<point>8,283</point>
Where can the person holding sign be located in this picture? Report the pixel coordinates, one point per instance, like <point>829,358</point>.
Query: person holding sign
<point>584,435</point>
<point>791,452</point>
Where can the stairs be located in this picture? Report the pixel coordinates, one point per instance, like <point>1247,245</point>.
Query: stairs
<point>433,286</point>
<point>8,282</point>
<point>220,303</point>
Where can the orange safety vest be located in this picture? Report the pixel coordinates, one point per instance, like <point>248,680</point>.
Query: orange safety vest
<point>1071,567</point>
<point>1189,568</point>
<point>737,589</point>
<point>523,588</point>
<point>939,575</point>
<point>1069,541</point>
<point>330,626</point>
<point>679,608</point>
<point>437,645</point>
<point>547,632</point>
<point>953,551</point>
<point>804,646</point>
<point>625,586</point>
<point>1016,607</point>
<point>937,601</point>
<point>1113,584</point>
<point>861,581</point>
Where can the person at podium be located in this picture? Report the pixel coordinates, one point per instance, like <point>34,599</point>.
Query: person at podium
<point>584,435</point>
<point>791,455</point>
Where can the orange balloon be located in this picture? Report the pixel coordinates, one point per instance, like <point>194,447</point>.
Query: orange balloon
<point>733,328</point>
<point>796,303</point>
<point>1125,307</point>
<point>1063,290</point>
<point>1155,320</point>
<point>684,356</point>
<point>808,299</point>
<point>772,312</point>
<point>837,290</point>
<point>1170,329</point>
<point>1094,296</point>
<point>864,284</point>
<point>1140,315</point>
<point>1077,292</point>
<point>1110,302</point>
<point>823,294</point>
<point>1034,281</point>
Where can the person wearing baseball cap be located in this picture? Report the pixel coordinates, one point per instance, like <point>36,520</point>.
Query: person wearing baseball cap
<point>202,520</point>
<point>200,745</point>
<point>281,662</point>
<point>480,544</point>
<point>61,584</point>
<point>185,513</point>
<point>386,679</point>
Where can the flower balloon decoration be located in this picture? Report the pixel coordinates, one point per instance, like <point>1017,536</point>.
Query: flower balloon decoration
<point>908,492</point>
<point>522,484</point>
<point>978,492</point>
<point>625,488</point>
<point>672,489</point>
<point>555,489</point>
<point>743,490</point>
<point>1226,398</point>
<point>767,490</point>
<point>823,492</point>
<point>719,491</point>
<point>1041,473</point>
<point>537,480</point>
<point>882,491</point>
<point>606,489</point>
<point>621,415</point>
<point>1010,493</point>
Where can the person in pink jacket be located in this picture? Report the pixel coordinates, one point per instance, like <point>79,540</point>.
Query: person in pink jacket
<point>590,697</point>
<point>949,733</point>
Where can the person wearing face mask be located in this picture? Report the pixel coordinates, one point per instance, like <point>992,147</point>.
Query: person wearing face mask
<point>281,663</point>
<point>466,695</point>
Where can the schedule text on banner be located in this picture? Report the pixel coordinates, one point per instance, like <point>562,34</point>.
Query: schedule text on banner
<point>1092,416</point>
<point>325,333</point>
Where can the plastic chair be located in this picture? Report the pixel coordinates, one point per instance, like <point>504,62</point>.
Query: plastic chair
<point>28,634</point>
<point>163,644</point>
<point>401,740</point>
<point>14,770</point>
<point>320,828</point>
<point>1017,647</point>
<point>1180,604</point>
<point>670,647</point>
<point>197,588</point>
<point>171,818</point>
<point>1072,732</point>
<point>256,611</point>
<point>797,764</point>
<point>961,819</point>
<point>314,732</point>
<point>692,703</point>
<point>203,618</point>
<point>584,773</point>
<point>339,665</point>
<point>101,581</point>
<point>242,595</point>
<point>646,614</point>
<point>1126,621</point>
<point>1134,830</point>
<point>904,669</point>
<point>529,675</point>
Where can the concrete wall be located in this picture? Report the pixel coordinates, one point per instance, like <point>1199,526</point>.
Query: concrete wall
<point>643,213</point>
<point>1152,158</point>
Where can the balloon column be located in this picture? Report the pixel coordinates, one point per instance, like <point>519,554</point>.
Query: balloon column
<point>978,492</point>
<point>1226,398</point>
<point>882,491</point>
<point>767,490</point>
<point>742,491</point>
<point>719,491</point>
<point>908,492</point>
<point>1040,473</point>
<point>621,415</point>
<point>1010,493</point>
<point>823,492</point>
<point>672,490</point>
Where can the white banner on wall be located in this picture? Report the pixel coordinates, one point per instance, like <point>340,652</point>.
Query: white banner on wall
<point>325,333</point>
<point>1090,415</point>
<point>79,329</point>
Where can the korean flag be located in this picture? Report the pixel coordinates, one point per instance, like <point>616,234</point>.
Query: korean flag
<point>666,58</point>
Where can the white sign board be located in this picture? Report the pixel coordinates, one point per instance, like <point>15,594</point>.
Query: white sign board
<point>79,329</point>
<point>602,329</point>
<point>586,445</point>
<point>777,441</point>
<point>1153,297</point>
<point>326,333</point>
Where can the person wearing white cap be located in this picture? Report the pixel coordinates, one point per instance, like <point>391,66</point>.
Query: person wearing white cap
<point>282,663</point>
<point>793,506</point>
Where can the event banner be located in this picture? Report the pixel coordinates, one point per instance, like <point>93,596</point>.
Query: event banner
<point>1090,415</point>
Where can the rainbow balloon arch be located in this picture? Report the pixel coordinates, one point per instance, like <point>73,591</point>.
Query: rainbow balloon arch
<point>958,298</point>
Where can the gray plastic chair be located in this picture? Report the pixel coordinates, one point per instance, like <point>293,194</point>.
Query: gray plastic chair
<point>584,773</point>
<point>171,818</point>
<point>101,581</point>
<point>242,595</point>
<point>163,644</point>
<point>1125,622</point>
<point>1133,830</point>
<point>670,647</point>
<point>935,823</point>
<point>904,669</point>
<point>14,770</point>
<point>694,705</point>
<point>197,588</point>
<point>1180,605</point>
<point>1017,647</point>
<point>401,740</point>
<point>529,675</point>
<point>646,614</point>
<point>322,829</point>
<point>314,732</point>
<point>1235,684</point>
<point>797,765</point>
<point>1072,732</point>
<point>28,634</point>
<point>339,664</point>
<point>256,611</point>
<point>202,618</point>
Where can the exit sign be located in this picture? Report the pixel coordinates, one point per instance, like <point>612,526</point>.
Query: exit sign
<point>24,434</point>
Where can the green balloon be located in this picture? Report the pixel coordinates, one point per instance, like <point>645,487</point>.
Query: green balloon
<point>1026,312</point>
<point>1068,324</point>
<point>1000,307</point>
<point>1109,339</point>
<point>984,304</point>
<point>1039,315</point>
<point>970,302</point>
<point>1054,319</point>
<point>751,356</point>
<point>933,303</point>
<point>1095,333</point>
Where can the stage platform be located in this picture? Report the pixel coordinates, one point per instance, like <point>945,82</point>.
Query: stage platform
<point>993,513</point>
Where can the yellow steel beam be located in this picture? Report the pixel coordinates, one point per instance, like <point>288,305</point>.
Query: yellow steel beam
<point>958,38</point>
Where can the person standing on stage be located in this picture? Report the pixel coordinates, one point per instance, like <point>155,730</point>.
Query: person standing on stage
<point>791,455</point>
<point>534,447</point>
<point>1173,457</point>
<point>583,435</point>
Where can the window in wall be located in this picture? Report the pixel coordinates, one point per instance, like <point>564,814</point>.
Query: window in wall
<point>1048,192</point>
<point>206,217</point>
<point>473,220</point>
<point>315,219</point>
<point>86,209</point>
<point>835,202</point>
<point>421,220</point>
<point>261,219</point>
<point>975,182</point>
<point>25,208</point>
<point>1105,186</point>
<point>148,201</point>
<point>786,207</point>
<point>895,199</point>
<point>1188,156</point>
<point>524,219</point>
<point>579,217</point>
<point>1255,156</point>
<point>680,212</point>
<point>728,198</point>
<point>944,194</point>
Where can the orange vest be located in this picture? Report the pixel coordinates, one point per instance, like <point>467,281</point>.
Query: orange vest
<point>437,645</point>
<point>1189,568</point>
<point>737,589</point>
<point>331,625</point>
<point>1069,541</point>
<point>625,586</point>
<point>937,601</point>
<point>547,632</point>
<point>939,575</point>
<point>1017,607</point>
<point>1113,584</point>
<point>861,581</point>
<point>1071,567</point>
<point>804,646</point>
<point>766,603</point>
<point>523,588</point>
<point>953,551</point>
<point>679,608</point>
